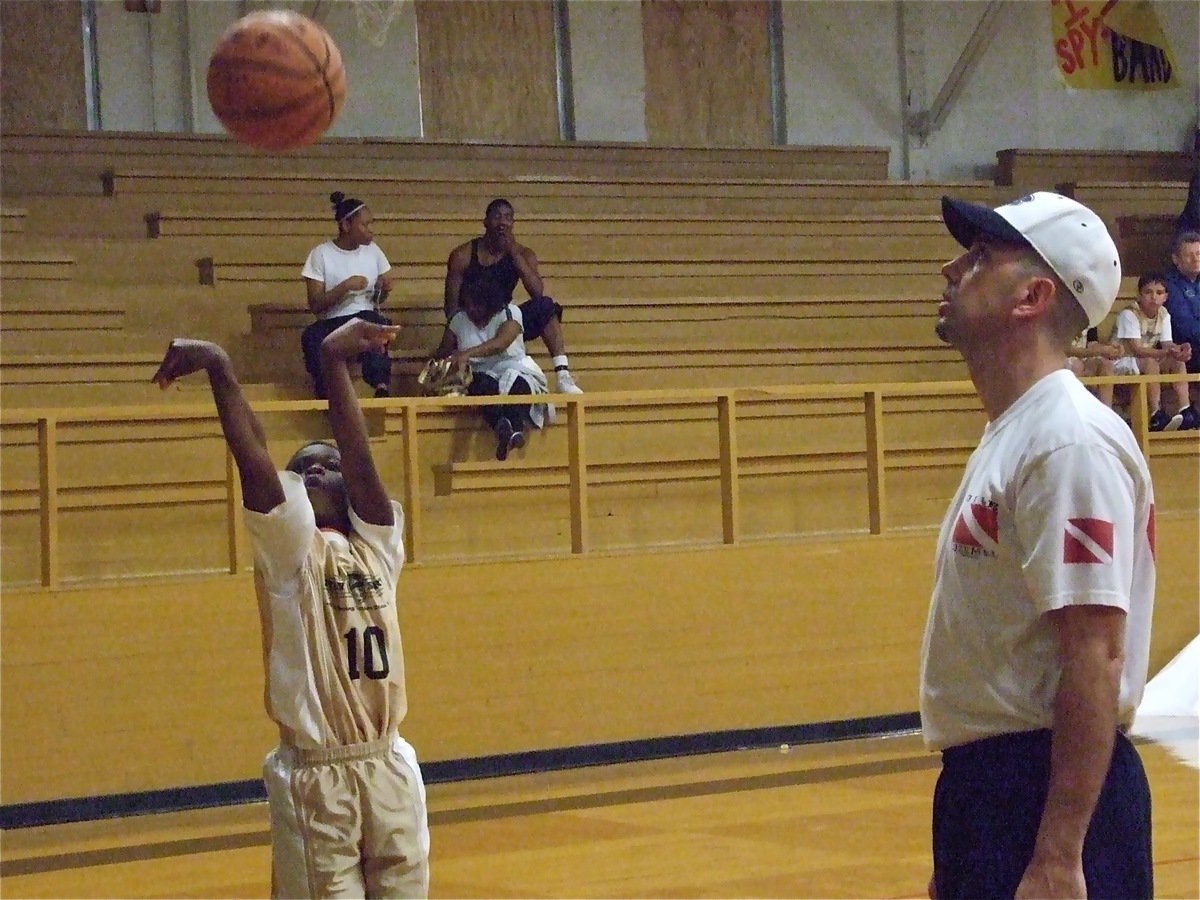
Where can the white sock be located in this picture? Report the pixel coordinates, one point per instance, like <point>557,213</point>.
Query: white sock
<point>560,362</point>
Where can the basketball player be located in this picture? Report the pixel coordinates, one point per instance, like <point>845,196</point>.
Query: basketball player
<point>497,255</point>
<point>346,797</point>
<point>1037,642</point>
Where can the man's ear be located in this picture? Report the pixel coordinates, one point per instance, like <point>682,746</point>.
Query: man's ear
<point>1035,301</point>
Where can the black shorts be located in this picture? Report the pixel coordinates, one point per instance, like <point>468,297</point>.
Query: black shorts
<point>988,804</point>
<point>536,313</point>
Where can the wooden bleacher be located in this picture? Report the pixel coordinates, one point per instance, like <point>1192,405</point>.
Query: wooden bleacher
<point>18,265</point>
<point>12,220</point>
<point>96,151</point>
<point>1145,242</point>
<point>536,194</point>
<point>1027,169</point>
<point>643,272</point>
<point>1115,199</point>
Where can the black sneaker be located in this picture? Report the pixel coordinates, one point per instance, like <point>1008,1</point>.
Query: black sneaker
<point>1159,421</point>
<point>382,391</point>
<point>1191,419</point>
<point>504,437</point>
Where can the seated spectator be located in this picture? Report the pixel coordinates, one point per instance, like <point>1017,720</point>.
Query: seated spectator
<point>487,332</point>
<point>497,255</point>
<point>1089,356</point>
<point>347,278</point>
<point>1183,300</point>
<point>1144,333</point>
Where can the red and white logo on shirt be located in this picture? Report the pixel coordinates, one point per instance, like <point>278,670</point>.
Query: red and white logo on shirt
<point>977,529</point>
<point>1088,541</point>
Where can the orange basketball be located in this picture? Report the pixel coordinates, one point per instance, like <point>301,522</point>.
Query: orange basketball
<point>276,80</point>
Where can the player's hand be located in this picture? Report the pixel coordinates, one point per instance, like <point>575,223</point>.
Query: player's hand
<point>356,283</point>
<point>384,285</point>
<point>358,336</point>
<point>1182,352</point>
<point>1111,351</point>
<point>185,356</point>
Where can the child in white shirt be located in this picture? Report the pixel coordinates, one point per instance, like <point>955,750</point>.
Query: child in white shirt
<point>1144,333</point>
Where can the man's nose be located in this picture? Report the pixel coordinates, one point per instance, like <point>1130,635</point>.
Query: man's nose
<point>952,269</point>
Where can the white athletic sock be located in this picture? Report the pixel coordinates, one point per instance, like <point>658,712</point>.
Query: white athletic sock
<point>560,362</point>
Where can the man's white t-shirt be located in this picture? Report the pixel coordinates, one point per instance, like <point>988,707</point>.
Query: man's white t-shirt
<point>1055,509</point>
<point>331,265</point>
<point>331,635</point>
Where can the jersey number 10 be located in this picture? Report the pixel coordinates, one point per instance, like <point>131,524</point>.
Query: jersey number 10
<point>374,653</point>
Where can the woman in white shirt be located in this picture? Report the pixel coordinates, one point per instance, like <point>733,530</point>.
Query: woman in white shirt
<point>347,278</point>
<point>488,332</point>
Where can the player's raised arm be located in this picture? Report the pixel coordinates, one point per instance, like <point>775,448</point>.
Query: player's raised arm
<point>261,490</point>
<point>368,498</point>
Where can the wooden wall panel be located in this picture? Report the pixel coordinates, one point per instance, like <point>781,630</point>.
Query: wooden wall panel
<point>488,70</point>
<point>708,77</point>
<point>153,685</point>
<point>42,48</point>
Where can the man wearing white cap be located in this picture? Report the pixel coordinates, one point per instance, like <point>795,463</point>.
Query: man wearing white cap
<point>1037,642</point>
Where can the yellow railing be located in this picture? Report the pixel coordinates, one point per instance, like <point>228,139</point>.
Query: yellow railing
<point>874,399</point>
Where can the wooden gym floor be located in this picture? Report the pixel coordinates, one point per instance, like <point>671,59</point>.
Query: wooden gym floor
<point>847,819</point>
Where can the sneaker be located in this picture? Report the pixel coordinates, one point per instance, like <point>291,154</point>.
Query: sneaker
<point>1191,419</point>
<point>504,435</point>
<point>565,383</point>
<point>1159,421</point>
<point>1175,423</point>
<point>382,391</point>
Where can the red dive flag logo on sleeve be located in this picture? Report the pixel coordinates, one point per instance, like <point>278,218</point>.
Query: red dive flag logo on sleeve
<point>1088,541</point>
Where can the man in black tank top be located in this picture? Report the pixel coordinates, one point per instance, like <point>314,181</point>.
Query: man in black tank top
<point>496,256</point>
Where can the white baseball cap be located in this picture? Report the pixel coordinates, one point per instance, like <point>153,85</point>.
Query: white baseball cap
<point>1066,234</point>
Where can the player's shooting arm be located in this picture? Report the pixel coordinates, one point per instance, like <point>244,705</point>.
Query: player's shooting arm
<point>368,497</point>
<point>261,490</point>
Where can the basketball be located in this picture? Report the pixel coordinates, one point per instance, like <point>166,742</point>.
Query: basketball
<point>276,80</point>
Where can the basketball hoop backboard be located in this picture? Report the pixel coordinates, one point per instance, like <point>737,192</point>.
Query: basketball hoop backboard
<point>375,17</point>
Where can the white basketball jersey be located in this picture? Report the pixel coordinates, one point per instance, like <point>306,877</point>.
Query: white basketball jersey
<point>331,637</point>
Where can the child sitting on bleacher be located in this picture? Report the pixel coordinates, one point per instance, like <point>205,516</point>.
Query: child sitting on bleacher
<point>487,331</point>
<point>1143,332</point>
<point>1089,356</point>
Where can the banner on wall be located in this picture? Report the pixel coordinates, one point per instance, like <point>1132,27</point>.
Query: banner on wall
<point>1111,45</point>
